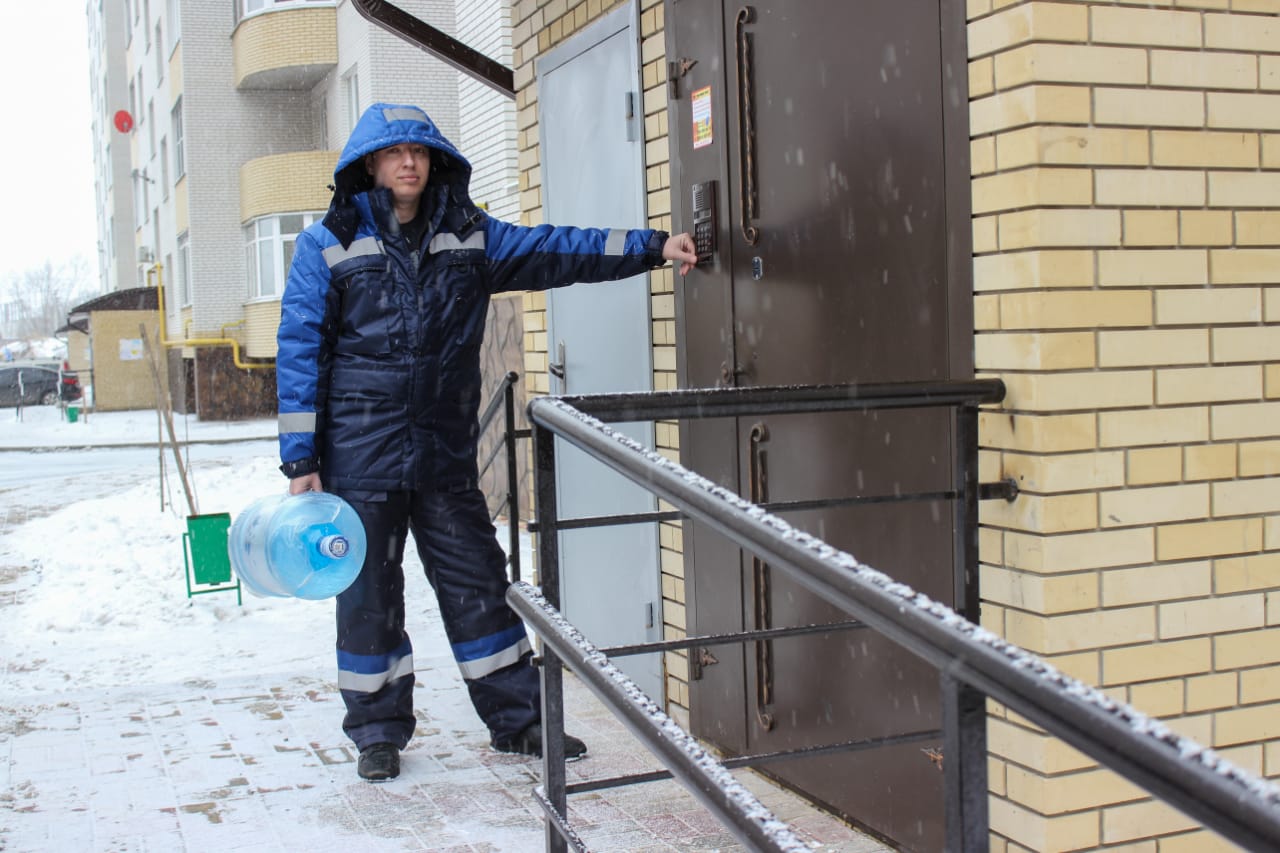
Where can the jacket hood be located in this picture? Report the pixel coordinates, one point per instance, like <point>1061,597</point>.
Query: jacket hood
<point>383,125</point>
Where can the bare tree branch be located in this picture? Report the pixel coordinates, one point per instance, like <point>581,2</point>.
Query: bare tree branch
<point>36,301</point>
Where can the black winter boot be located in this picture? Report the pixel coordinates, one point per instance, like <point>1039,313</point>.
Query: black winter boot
<point>529,742</point>
<point>379,763</point>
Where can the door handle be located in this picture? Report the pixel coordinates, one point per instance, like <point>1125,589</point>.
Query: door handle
<point>556,368</point>
<point>761,583</point>
<point>746,128</point>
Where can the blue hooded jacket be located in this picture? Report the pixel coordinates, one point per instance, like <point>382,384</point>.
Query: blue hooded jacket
<point>378,367</point>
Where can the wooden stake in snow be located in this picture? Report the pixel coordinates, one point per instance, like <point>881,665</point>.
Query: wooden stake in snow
<point>165,407</point>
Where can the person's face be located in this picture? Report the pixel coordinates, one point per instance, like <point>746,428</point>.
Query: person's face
<point>403,169</point>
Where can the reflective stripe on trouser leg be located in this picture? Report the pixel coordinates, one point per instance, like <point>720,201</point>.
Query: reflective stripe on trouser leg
<point>467,569</point>
<point>375,657</point>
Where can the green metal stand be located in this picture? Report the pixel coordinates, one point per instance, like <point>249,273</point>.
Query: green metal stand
<point>204,551</point>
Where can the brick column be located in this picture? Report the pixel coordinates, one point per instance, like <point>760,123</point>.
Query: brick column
<point>1125,189</point>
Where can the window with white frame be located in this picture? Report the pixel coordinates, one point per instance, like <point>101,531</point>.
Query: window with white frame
<point>139,203</point>
<point>183,272</point>
<point>245,8</point>
<point>175,23</point>
<point>351,87</point>
<point>160,54</point>
<point>164,168</point>
<point>268,247</point>
<point>179,156</point>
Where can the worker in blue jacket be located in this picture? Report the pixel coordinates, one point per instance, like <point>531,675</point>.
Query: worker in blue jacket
<point>378,376</point>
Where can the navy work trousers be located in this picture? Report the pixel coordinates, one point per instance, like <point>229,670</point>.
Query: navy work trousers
<point>466,568</point>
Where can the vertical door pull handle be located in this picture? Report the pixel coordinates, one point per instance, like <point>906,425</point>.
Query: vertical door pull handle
<point>746,129</point>
<point>761,584</point>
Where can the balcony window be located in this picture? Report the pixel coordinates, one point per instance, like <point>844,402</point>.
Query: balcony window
<point>268,245</point>
<point>179,154</point>
<point>245,8</point>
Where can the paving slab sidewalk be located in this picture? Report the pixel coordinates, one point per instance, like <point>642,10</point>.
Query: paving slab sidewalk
<point>253,764</point>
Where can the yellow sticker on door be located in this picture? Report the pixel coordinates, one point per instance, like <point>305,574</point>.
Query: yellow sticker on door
<point>701,101</point>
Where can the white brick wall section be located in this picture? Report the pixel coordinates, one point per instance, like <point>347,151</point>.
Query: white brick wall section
<point>353,52</point>
<point>488,135</point>
<point>404,73</point>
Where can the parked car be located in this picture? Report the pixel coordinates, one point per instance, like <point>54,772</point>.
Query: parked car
<point>29,384</point>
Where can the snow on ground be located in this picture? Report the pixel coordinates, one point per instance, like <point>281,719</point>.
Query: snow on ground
<point>104,600</point>
<point>136,718</point>
<point>49,427</point>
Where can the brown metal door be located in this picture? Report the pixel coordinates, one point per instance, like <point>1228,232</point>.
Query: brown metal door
<point>835,135</point>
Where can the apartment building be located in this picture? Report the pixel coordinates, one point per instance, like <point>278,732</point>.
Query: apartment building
<point>108,92</point>
<point>219,123</point>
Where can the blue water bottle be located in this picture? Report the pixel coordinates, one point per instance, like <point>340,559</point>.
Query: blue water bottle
<point>309,545</point>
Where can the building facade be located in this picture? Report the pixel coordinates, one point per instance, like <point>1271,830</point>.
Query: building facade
<point>113,187</point>
<point>239,109</point>
<point>1125,163</point>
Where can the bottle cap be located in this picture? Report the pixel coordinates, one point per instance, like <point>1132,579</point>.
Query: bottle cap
<point>334,546</point>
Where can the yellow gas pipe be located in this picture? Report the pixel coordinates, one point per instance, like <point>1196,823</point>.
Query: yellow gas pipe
<point>200,342</point>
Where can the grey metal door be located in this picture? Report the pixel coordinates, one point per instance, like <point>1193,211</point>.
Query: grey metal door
<point>599,334</point>
<point>842,222</point>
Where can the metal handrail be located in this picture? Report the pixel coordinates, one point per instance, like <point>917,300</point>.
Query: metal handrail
<point>1191,778</point>
<point>753,824</point>
<point>503,400</point>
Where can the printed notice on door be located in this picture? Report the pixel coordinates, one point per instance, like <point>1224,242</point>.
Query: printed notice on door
<point>702,118</point>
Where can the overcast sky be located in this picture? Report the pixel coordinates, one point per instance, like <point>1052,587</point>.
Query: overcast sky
<point>48,209</point>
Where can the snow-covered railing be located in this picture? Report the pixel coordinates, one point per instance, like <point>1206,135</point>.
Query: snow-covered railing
<point>972,662</point>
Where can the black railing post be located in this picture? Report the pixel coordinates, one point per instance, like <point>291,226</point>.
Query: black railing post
<point>968,602</point>
<point>964,766</point>
<point>553,770</point>
<point>513,477</point>
<point>964,710</point>
<point>1242,807</point>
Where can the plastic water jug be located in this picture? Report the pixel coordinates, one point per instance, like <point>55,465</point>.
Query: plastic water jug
<point>310,545</point>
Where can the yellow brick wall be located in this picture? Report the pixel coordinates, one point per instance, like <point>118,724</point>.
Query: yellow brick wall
<point>286,183</point>
<point>258,336</point>
<point>288,38</point>
<point>124,384</point>
<point>1126,188</point>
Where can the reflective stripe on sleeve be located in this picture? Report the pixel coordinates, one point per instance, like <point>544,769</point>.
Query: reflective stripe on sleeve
<point>616,242</point>
<point>365,246</point>
<point>297,422</point>
<point>450,242</point>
